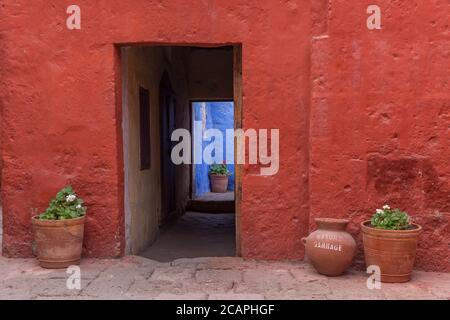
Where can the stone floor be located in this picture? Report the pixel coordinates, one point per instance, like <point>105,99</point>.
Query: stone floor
<point>195,235</point>
<point>205,278</point>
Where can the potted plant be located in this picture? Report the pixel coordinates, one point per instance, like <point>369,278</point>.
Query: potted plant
<point>58,232</point>
<point>390,242</point>
<point>218,174</point>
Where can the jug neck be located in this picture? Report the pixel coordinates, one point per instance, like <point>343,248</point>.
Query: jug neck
<point>332,224</point>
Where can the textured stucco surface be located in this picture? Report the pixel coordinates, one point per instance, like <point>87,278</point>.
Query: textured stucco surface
<point>380,114</point>
<point>363,115</point>
<point>62,117</point>
<point>142,67</point>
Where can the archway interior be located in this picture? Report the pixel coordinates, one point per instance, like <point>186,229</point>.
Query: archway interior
<point>170,211</point>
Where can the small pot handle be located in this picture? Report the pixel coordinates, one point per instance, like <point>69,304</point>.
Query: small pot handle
<point>304,241</point>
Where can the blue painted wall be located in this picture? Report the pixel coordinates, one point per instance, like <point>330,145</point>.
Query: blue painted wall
<point>217,115</point>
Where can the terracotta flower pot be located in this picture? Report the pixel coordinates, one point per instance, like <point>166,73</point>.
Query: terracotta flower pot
<point>58,242</point>
<point>330,248</point>
<point>393,251</point>
<point>219,183</point>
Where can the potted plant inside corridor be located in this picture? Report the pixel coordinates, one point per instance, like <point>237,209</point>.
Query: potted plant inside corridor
<point>218,174</point>
<point>58,232</point>
<point>390,242</point>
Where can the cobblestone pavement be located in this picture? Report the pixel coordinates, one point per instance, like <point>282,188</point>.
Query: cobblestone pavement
<point>205,278</point>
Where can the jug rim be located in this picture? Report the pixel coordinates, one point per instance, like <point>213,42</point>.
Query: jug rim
<point>332,220</point>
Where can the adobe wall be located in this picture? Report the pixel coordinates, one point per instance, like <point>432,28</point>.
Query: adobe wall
<point>363,115</point>
<point>60,92</point>
<point>141,67</point>
<point>380,112</point>
<point>144,66</point>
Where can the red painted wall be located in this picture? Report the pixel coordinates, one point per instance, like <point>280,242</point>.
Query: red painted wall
<point>380,117</point>
<point>58,89</point>
<point>363,115</point>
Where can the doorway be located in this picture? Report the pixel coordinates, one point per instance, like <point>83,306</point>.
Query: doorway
<point>160,222</point>
<point>210,118</point>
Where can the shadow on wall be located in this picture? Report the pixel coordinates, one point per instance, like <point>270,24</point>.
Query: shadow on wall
<point>213,115</point>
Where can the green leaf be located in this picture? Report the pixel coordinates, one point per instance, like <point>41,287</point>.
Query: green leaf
<point>390,219</point>
<point>60,209</point>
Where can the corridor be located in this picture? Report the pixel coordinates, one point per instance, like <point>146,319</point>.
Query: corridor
<point>195,235</point>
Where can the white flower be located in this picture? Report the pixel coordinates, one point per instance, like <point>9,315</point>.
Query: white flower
<point>71,198</point>
<point>78,206</point>
<point>386,207</point>
<point>379,211</point>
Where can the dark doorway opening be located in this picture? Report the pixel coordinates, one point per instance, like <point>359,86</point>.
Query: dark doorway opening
<point>161,221</point>
<point>213,116</point>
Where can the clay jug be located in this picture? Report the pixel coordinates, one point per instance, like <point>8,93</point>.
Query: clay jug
<point>330,248</point>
